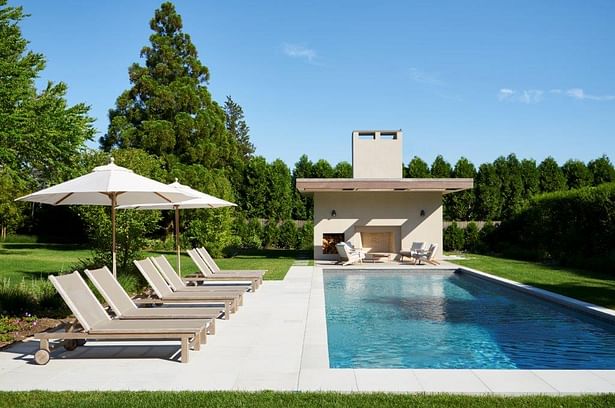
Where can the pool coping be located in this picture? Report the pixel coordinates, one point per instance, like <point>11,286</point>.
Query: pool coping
<point>315,373</point>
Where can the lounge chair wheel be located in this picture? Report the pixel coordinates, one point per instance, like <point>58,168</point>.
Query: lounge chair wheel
<point>41,357</point>
<point>70,344</point>
<point>81,342</point>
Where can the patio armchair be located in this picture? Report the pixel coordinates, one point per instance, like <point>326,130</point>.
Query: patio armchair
<point>417,248</point>
<point>348,254</point>
<point>429,256</point>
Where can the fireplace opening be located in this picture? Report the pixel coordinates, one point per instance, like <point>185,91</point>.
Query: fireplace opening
<point>329,240</point>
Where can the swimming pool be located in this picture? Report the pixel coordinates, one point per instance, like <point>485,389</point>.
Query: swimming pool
<point>448,319</point>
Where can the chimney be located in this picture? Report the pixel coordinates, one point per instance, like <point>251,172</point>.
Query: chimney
<point>377,154</point>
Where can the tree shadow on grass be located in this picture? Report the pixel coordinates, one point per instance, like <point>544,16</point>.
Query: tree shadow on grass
<point>603,296</point>
<point>18,248</point>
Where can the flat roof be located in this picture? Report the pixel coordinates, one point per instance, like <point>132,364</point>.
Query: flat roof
<point>444,185</point>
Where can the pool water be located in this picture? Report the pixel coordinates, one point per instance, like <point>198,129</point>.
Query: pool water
<point>447,319</point>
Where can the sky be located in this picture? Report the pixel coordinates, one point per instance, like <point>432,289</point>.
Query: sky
<point>478,79</point>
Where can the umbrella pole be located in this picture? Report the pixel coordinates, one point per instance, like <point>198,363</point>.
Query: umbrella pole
<point>179,262</point>
<point>113,204</point>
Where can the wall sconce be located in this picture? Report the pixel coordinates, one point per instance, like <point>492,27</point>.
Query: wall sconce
<point>333,214</point>
<point>422,213</point>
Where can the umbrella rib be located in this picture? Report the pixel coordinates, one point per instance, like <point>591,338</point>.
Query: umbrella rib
<point>63,198</point>
<point>163,197</point>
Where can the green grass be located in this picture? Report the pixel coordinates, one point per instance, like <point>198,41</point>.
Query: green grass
<point>276,262</point>
<point>20,261</point>
<point>281,399</point>
<point>580,284</point>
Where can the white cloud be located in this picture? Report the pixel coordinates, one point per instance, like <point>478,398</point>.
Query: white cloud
<point>527,96</point>
<point>579,93</point>
<point>423,77</point>
<point>299,51</point>
<point>505,94</point>
<point>531,96</point>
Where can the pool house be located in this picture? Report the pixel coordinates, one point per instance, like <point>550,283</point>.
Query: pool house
<point>378,209</point>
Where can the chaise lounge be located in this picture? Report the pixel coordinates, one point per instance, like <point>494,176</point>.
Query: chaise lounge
<point>235,276</point>
<point>97,325</point>
<point>215,269</point>
<point>166,295</point>
<point>124,307</point>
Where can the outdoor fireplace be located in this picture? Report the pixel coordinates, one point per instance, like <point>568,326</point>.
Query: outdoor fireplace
<point>329,240</point>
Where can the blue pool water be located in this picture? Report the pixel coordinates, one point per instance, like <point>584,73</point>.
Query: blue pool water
<point>425,319</point>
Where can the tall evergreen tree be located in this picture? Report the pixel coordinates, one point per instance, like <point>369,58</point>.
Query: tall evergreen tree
<point>254,189</point>
<point>440,168</point>
<point>417,168</point>
<point>488,193</point>
<point>460,206</point>
<point>280,192</point>
<point>343,169</point>
<point>602,170</point>
<point>531,178</point>
<point>577,174</point>
<point>303,208</point>
<point>168,110</point>
<point>322,169</point>
<point>551,176</point>
<point>511,178</point>
<point>238,128</point>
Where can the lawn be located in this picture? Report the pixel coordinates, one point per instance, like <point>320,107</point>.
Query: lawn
<point>580,284</point>
<point>280,399</point>
<point>36,261</point>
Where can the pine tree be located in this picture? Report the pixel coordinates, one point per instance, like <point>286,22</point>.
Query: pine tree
<point>417,168</point>
<point>602,170</point>
<point>169,110</point>
<point>577,174</point>
<point>551,176</point>
<point>460,206</point>
<point>440,168</point>
<point>238,128</point>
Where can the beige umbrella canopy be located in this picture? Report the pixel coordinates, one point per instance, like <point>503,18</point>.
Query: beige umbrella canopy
<point>108,185</point>
<point>202,200</point>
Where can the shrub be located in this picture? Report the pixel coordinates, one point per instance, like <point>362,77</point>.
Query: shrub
<point>270,235</point>
<point>249,232</point>
<point>471,237</point>
<point>306,236</point>
<point>288,237</point>
<point>453,238</point>
<point>575,227</point>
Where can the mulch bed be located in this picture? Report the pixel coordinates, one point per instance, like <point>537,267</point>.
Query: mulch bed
<point>13,329</point>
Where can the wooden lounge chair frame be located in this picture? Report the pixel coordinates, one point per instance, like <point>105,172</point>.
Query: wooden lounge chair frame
<point>97,325</point>
<point>125,308</point>
<point>166,295</point>
<point>215,269</point>
<point>207,273</point>
<point>177,283</point>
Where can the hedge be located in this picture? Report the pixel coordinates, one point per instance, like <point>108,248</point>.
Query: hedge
<point>574,227</point>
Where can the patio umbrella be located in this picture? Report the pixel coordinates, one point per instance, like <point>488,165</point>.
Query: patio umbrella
<point>202,200</point>
<point>108,185</point>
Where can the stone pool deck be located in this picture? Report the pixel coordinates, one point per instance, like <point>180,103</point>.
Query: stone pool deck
<point>277,341</point>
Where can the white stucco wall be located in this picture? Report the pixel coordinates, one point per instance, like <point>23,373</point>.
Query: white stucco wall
<point>378,209</point>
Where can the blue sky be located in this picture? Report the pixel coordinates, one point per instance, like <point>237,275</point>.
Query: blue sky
<point>477,79</point>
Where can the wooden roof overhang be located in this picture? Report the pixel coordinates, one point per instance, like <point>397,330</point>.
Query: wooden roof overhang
<point>443,185</point>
